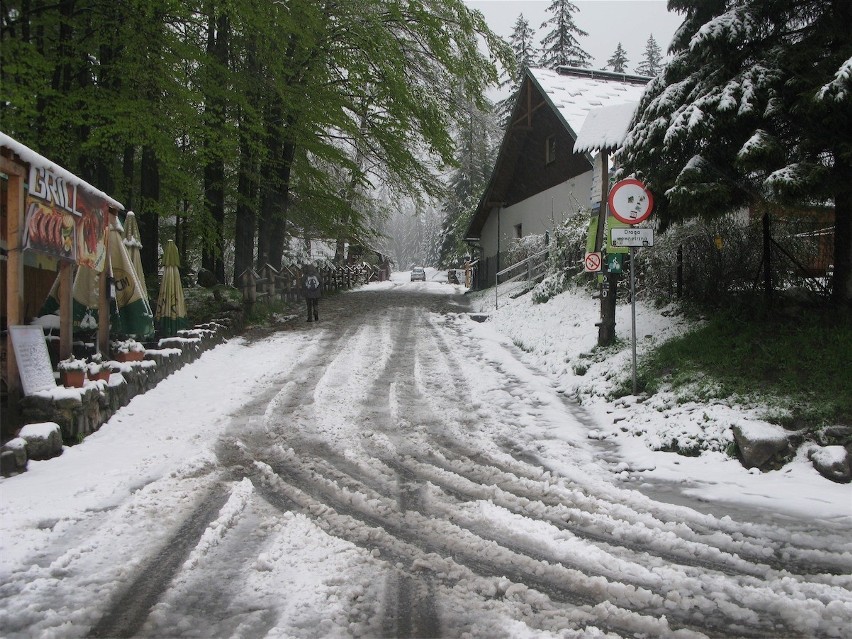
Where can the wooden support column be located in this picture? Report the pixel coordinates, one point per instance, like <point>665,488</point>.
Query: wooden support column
<point>609,290</point>
<point>66,311</point>
<point>14,273</point>
<point>104,295</point>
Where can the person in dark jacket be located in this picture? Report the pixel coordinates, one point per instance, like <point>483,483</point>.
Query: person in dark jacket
<point>311,290</point>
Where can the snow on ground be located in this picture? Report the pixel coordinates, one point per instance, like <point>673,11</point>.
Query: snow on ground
<point>559,337</point>
<point>73,527</point>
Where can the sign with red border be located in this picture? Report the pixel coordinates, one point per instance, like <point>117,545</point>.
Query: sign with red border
<point>592,262</point>
<point>630,202</point>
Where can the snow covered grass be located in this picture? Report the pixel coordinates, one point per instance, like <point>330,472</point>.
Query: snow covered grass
<point>559,338</point>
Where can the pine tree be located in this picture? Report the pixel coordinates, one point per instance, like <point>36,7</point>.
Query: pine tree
<point>652,61</point>
<point>753,109</point>
<point>560,46</point>
<point>618,61</point>
<point>525,52</point>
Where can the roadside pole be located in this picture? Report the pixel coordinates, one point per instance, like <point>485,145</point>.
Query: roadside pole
<point>631,203</point>
<point>633,311</point>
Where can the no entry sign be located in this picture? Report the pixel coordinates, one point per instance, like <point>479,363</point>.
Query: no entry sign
<point>630,202</point>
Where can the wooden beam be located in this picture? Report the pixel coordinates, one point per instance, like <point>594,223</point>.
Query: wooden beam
<point>10,167</point>
<point>14,273</point>
<point>103,295</point>
<point>66,310</point>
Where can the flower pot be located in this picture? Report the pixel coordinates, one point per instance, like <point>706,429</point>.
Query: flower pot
<point>102,374</point>
<point>72,379</point>
<point>130,356</point>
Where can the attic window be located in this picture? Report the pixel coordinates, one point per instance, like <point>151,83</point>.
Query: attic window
<point>550,149</point>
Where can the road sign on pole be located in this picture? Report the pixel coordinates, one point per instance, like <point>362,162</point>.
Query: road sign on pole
<point>632,237</point>
<point>630,202</point>
<point>592,262</point>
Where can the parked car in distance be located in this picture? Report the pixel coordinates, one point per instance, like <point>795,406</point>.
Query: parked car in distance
<point>418,273</point>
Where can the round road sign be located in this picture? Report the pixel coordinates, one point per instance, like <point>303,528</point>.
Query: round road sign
<point>593,262</point>
<point>630,202</point>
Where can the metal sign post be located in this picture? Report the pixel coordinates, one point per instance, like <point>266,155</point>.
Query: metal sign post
<point>633,311</point>
<point>631,203</point>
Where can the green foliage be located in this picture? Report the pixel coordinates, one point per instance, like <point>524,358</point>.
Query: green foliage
<point>560,46</point>
<point>306,103</point>
<point>795,361</point>
<point>752,108</point>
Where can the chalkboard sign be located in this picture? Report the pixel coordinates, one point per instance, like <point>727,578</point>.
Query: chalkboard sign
<point>33,359</point>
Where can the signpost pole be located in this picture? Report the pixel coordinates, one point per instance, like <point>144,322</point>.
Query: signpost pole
<point>633,311</point>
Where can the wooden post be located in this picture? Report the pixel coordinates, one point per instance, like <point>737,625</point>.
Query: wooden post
<point>14,274</point>
<point>767,260</point>
<point>609,290</point>
<point>66,311</point>
<point>104,296</point>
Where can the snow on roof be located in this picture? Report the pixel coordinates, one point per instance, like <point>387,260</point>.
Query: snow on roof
<point>34,159</point>
<point>575,92</point>
<point>605,128</point>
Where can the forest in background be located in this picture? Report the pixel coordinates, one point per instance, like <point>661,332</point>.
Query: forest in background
<point>235,125</point>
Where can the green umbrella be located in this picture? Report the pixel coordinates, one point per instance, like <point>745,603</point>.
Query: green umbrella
<point>134,245</point>
<point>171,307</point>
<point>134,317</point>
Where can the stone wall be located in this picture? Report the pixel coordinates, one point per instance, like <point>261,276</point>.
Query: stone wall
<point>81,411</point>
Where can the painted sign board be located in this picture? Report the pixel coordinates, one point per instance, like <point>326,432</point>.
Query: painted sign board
<point>632,237</point>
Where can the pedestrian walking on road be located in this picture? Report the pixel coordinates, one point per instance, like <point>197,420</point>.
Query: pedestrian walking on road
<point>311,291</point>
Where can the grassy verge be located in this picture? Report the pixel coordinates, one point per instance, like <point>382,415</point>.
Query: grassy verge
<point>800,364</point>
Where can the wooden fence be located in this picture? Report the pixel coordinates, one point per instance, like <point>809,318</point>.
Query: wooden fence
<point>286,285</point>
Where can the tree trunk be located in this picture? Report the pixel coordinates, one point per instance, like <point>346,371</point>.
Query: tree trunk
<point>149,218</point>
<point>841,290</point>
<point>212,257</point>
<point>279,219</point>
<point>246,219</point>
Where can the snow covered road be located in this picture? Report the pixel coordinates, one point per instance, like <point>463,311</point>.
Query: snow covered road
<point>386,472</point>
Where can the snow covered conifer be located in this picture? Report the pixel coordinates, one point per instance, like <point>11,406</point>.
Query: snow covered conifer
<point>754,108</point>
<point>618,61</point>
<point>525,51</point>
<point>651,63</point>
<point>560,46</point>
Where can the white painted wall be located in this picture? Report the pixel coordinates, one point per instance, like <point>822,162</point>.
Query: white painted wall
<point>537,214</point>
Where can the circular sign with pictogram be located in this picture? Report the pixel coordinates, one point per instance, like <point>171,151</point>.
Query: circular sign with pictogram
<point>630,202</point>
<point>592,262</point>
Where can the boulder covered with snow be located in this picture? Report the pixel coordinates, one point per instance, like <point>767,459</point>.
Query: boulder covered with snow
<point>761,445</point>
<point>832,462</point>
<point>13,457</point>
<point>44,440</point>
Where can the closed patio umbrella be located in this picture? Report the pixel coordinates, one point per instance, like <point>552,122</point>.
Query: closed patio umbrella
<point>171,307</point>
<point>133,244</point>
<point>134,317</point>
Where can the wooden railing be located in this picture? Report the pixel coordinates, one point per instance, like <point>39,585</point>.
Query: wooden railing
<point>286,285</point>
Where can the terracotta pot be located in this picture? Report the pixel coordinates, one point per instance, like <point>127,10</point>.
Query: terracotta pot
<point>102,374</point>
<point>72,379</point>
<point>132,356</point>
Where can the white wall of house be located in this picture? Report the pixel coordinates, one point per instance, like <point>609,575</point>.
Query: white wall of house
<point>537,214</point>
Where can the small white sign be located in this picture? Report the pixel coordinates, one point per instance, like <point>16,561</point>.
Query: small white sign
<point>632,237</point>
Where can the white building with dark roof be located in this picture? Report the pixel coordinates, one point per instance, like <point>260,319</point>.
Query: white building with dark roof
<point>539,176</point>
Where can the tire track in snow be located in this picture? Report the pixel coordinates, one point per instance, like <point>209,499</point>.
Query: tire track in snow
<point>129,610</point>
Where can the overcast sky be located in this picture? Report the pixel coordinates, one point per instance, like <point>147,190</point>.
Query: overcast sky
<point>607,22</point>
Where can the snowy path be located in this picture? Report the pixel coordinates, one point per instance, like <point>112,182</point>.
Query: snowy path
<point>384,473</point>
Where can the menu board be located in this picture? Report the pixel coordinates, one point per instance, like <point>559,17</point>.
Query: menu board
<point>32,358</point>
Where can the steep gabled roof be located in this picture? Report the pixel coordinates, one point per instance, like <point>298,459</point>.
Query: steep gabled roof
<point>571,93</point>
<point>574,92</point>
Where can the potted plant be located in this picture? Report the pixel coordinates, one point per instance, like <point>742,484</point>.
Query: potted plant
<point>72,372</point>
<point>128,350</point>
<point>96,369</point>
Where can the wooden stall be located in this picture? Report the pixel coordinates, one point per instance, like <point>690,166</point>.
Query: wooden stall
<point>52,221</point>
